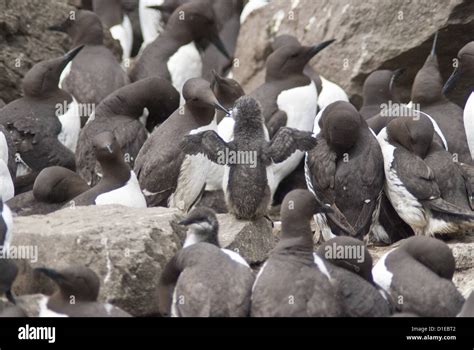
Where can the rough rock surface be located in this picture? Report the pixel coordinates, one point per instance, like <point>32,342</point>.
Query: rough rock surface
<point>25,40</point>
<point>371,34</point>
<point>128,248</point>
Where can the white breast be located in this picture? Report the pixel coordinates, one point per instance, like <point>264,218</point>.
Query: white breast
<point>321,265</point>
<point>150,21</point>
<point>185,64</point>
<point>382,276</point>
<point>129,195</point>
<point>64,75</point>
<point>124,34</point>
<point>236,257</point>
<point>330,92</point>
<point>8,219</point>
<point>406,205</point>
<point>70,126</point>
<point>192,176</point>
<point>300,106</point>
<point>469,123</point>
<point>45,312</point>
<point>7,189</point>
<point>225,129</point>
<point>258,275</point>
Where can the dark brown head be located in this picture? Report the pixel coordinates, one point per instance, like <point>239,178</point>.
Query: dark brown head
<point>414,134</point>
<point>428,82</point>
<point>226,90</point>
<point>463,75</point>
<point>197,93</point>
<point>83,27</point>
<point>42,80</point>
<point>106,147</point>
<point>378,86</point>
<point>110,12</point>
<point>291,59</point>
<point>283,40</point>
<point>340,123</point>
<point>433,253</point>
<point>202,226</point>
<point>296,211</point>
<point>196,21</point>
<point>75,281</point>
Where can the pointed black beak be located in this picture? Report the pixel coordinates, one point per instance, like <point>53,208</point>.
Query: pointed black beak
<point>73,53</point>
<point>53,274</point>
<point>10,296</point>
<point>69,56</point>
<point>326,209</point>
<point>433,47</point>
<point>451,82</point>
<point>186,222</point>
<point>58,28</point>
<point>220,107</point>
<point>217,42</point>
<point>313,50</point>
<point>161,8</point>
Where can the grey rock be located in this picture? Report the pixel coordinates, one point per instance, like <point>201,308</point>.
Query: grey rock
<point>373,34</point>
<point>128,248</point>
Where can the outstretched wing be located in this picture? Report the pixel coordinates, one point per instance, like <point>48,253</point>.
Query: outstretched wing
<point>286,142</point>
<point>207,143</point>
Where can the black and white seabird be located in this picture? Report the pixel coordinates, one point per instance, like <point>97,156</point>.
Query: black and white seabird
<point>173,55</point>
<point>328,91</point>
<point>378,91</point>
<point>227,91</point>
<point>203,280</point>
<point>295,282</point>
<point>422,196</point>
<point>95,73</point>
<point>461,83</point>
<point>80,284</point>
<point>288,97</point>
<point>427,93</point>
<point>118,184</point>
<point>249,158</point>
<point>459,87</point>
<point>228,23</point>
<point>8,269</point>
<point>418,277</point>
<point>43,125</point>
<point>7,165</point>
<point>350,265</point>
<point>167,175</point>
<point>120,112</point>
<point>114,18</point>
<point>345,171</point>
